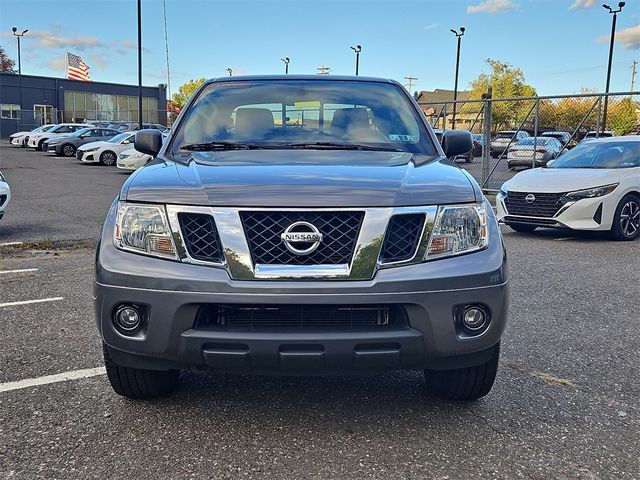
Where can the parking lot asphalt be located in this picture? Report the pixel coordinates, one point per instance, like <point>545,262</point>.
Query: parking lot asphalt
<point>564,404</point>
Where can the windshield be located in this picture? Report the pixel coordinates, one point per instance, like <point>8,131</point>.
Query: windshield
<point>303,114</point>
<point>119,138</point>
<point>77,133</point>
<point>505,134</point>
<point>529,141</point>
<point>601,155</point>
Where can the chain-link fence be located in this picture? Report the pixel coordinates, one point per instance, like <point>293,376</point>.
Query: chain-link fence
<point>511,134</point>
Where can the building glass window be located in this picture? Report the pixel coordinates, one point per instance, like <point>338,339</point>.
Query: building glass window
<point>81,106</point>
<point>9,110</point>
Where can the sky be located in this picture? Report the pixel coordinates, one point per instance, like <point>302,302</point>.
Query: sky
<point>561,45</point>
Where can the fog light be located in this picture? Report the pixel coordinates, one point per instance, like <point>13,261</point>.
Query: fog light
<point>128,318</point>
<point>474,318</point>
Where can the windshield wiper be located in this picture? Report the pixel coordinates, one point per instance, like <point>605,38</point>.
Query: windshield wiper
<point>209,146</point>
<point>340,146</point>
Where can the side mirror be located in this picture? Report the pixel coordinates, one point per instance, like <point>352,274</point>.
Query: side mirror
<point>148,141</point>
<point>456,142</point>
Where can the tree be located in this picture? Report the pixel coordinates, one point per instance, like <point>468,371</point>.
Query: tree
<point>622,116</point>
<point>185,91</point>
<point>6,64</point>
<point>506,82</point>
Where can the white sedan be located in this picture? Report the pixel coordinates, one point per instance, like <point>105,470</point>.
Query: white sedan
<point>5,194</point>
<point>106,153</point>
<point>595,186</point>
<point>60,130</point>
<point>18,138</point>
<point>132,159</point>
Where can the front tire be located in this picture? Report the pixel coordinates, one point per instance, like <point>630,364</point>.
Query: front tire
<point>39,147</point>
<point>626,220</point>
<point>137,383</point>
<point>108,158</point>
<point>464,384</point>
<point>68,150</point>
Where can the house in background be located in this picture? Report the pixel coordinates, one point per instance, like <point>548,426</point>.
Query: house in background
<point>437,105</point>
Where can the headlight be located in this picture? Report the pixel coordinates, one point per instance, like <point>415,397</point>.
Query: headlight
<point>122,156</point>
<point>144,229</point>
<point>458,229</point>
<point>91,149</point>
<point>591,192</point>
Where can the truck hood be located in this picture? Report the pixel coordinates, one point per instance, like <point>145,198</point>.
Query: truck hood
<point>302,178</point>
<point>560,180</point>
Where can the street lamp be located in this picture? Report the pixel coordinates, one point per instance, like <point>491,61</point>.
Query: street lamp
<point>230,72</point>
<point>357,49</point>
<point>455,88</point>
<point>613,36</point>
<point>18,35</point>
<point>286,65</point>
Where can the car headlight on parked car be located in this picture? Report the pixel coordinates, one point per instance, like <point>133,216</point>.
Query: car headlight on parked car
<point>88,150</point>
<point>590,192</point>
<point>458,229</point>
<point>144,229</point>
<point>122,156</point>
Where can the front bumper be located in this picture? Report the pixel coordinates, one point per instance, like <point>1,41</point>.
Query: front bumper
<point>172,292</point>
<point>87,157</point>
<point>594,214</point>
<point>18,141</point>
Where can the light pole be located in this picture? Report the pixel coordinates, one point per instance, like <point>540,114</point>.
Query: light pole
<point>140,64</point>
<point>286,65</point>
<point>613,36</point>
<point>18,35</point>
<point>455,88</point>
<point>357,49</point>
<point>230,71</point>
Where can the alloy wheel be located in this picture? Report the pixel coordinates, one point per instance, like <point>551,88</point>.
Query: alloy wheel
<point>108,158</point>
<point>630,218</point>
<point>68,150</point>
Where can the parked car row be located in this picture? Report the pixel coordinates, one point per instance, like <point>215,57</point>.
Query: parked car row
<point>89,143</point>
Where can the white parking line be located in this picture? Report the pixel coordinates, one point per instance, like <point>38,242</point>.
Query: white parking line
<point>27,302</point>
<point>58,377</point>
<point>11,244</point>
<point>21,270</point>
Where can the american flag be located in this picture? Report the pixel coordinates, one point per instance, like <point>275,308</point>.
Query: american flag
<point>76,68</point>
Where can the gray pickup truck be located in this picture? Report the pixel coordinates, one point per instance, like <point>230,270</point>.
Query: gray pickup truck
<point>301,225</point>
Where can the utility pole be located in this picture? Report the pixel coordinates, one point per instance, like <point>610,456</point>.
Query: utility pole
<point>633,74</point>
<point>613,37</point>
<point>410,79</point>
<point>455,88</point>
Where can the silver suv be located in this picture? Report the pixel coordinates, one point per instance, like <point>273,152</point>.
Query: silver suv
<point>301,225</point>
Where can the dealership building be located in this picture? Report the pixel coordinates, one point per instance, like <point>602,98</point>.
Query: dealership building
<point>55,100</point>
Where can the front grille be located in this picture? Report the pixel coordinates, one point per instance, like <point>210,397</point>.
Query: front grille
<point>264,229</point>
<point>201,237</point>
<point>264,315</point>
<point>401,239</point>
<point>545,204</point>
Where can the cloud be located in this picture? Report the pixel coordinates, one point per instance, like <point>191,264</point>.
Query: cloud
<point>431,26</point>
<point>53,39</point>
<point>57,64</point>
<point>583,4</point>
<point>492,7</point>
<point>628,37</point>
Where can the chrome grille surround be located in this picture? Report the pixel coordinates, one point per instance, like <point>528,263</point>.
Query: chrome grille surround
<point>364,262</point>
